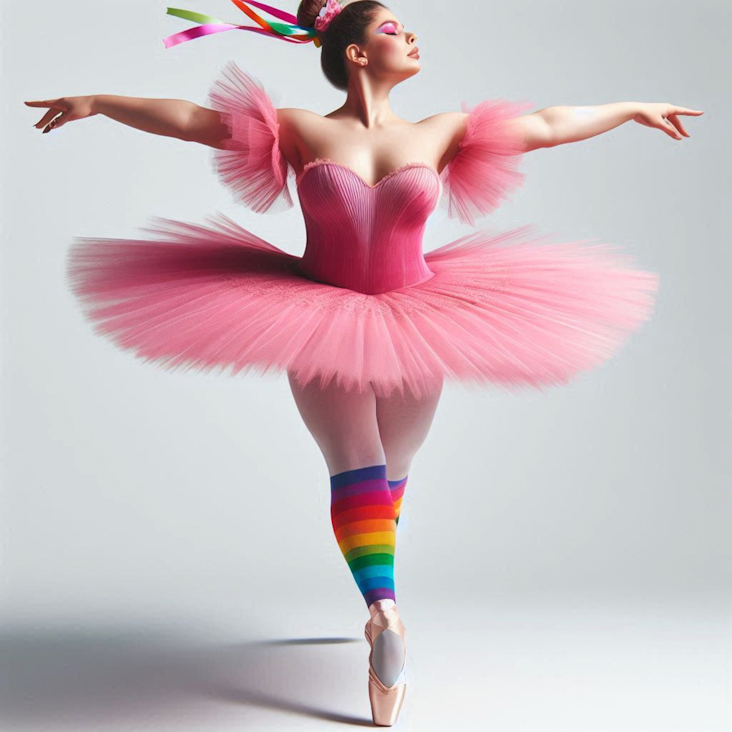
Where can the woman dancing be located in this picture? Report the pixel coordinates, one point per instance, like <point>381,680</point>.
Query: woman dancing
<point>365,325</point>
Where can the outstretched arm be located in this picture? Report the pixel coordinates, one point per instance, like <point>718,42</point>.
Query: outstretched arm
<point>563,124</point>
<point>176,118</point>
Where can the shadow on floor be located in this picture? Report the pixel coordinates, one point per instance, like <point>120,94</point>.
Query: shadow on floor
<point>145,675</point>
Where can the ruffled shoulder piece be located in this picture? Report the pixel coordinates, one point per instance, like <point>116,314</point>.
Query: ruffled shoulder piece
<point>485,169</point>
<point>251,164</point>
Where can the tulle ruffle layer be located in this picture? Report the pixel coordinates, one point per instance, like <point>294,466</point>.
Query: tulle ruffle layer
<point>511,309</point>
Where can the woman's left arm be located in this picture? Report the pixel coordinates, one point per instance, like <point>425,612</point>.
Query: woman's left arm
<point>559,125</point>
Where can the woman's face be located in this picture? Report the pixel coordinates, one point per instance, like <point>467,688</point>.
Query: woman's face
<point>388,47</point>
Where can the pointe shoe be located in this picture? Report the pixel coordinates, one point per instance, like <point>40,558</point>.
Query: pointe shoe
<point>386,701</point>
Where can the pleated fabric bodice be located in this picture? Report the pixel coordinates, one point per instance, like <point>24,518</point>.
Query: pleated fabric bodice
<point>366,238</point>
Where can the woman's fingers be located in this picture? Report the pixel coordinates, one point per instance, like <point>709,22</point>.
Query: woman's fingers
<point>677,123</point>
<point>43,121</point>
<point>671,121</point>
<point>46,117</point>
<point>58,122</point>
<point>56,106</point>
<point>669,128</point>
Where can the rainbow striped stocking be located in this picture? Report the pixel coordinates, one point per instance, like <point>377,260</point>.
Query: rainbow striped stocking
<point>364,521</point>
<point>397,494</point>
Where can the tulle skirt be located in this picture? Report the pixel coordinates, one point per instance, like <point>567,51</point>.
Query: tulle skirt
<point>511,309</point>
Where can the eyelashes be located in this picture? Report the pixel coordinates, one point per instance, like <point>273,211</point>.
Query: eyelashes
<point>388,28</point>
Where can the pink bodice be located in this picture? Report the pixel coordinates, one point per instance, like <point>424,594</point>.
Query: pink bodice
<point>362,237</point>
<point>366,238</point>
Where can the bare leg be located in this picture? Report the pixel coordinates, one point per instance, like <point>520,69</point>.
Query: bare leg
<point>354,430</point>
<point>342,423</point>
<point>404,423</point>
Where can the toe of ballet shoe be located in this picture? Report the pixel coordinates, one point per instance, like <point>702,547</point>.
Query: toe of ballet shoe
<point>386,702</point>
<point>385,708</point>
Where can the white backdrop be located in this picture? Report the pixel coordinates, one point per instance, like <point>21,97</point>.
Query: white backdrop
<point>167,555</point>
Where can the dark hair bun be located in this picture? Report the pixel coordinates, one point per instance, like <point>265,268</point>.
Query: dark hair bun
<point>308,12</point>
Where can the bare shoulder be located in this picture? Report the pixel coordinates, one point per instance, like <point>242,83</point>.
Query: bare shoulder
<point>447,130</point>
<point>295,115</point>
<point>295,125</point>
<point>294,119</point>
<point>450,122</point>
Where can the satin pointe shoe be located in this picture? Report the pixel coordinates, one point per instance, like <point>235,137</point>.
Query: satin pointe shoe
<point>386,701</point>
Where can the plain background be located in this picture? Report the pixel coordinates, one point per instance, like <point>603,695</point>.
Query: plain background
<point>167,555</point>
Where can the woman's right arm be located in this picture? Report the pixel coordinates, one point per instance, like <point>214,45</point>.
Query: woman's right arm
<point>176,118</point>
<point>167,117</point>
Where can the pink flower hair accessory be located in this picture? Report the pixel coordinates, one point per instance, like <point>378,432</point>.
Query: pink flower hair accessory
<point>326,14</point>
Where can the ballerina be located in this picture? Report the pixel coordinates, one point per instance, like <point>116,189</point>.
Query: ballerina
<point>366,326</point>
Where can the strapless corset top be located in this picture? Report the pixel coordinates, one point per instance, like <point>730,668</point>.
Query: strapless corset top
<point>363,237</point>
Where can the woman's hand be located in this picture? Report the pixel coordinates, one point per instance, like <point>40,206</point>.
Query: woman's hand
<point>664,117</point>
<point>70,108</point>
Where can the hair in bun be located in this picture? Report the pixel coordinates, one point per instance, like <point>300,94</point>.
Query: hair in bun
<point>308,11</point>
<point>348,27</point>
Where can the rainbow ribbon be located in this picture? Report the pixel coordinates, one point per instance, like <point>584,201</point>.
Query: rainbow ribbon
<point>289,31</point>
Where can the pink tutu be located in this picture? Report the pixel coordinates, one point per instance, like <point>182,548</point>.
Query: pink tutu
<point>363,307</point>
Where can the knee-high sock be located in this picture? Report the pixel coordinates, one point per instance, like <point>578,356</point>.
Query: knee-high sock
<point>364,521</point>
<point>397,494</point>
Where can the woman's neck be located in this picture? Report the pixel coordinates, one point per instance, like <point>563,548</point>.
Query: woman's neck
<point>368,104</point>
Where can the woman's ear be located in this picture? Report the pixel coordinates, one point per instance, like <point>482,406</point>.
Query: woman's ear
<point>354,54</point>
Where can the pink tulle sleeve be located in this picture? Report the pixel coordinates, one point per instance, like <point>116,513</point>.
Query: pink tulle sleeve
<point>251,164</point>
<point>485,169</point>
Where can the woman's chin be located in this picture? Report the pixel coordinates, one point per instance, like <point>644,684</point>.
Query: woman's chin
<point>410,72</point>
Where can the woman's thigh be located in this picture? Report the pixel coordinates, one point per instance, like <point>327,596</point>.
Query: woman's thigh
<point>343,423</point>
<point>404,422</point>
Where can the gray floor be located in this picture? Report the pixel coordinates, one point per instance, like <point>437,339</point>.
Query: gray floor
<point>492,664</point>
